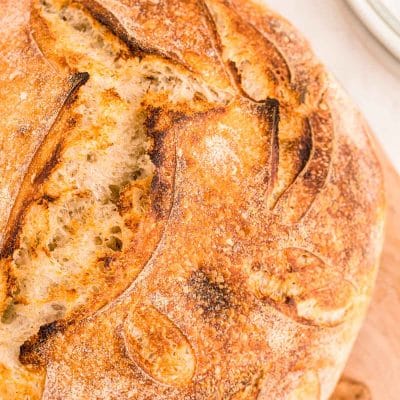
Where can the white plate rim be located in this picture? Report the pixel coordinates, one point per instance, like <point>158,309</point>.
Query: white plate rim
<point>385,27</point>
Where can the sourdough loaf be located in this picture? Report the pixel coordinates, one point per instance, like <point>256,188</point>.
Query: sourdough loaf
<point>190,207</point>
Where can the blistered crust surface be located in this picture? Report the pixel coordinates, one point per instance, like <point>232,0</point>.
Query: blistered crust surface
<point>260,245</point>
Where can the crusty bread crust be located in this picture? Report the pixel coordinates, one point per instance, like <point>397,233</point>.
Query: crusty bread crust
<point>251,265</point>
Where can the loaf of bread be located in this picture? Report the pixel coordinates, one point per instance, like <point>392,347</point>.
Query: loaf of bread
<point>190,206</point>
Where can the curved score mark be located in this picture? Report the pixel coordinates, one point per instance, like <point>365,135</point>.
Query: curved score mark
<point>106,17</point>
<point>229,66</point>
<point>32,348</point>
<point>189,43</point>
<point>163,202</point>
<point>295,152</point>
<point>216,41</point>
<point>158,347</point>
<point>302,286</point>
<point>272,115</point>
<point>39,167</point>
<point>310,153</point>
<point>294,203</point>
<point>298,151</point>
<point>239,35</point>
<point>278,58</point>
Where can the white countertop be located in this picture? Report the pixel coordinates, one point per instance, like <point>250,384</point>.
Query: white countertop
<point>365,69</point>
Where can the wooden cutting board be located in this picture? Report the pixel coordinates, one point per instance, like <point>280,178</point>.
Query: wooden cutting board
<point>375,360</point>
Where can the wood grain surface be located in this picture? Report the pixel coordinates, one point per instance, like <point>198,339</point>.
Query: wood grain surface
<point>375,360</point>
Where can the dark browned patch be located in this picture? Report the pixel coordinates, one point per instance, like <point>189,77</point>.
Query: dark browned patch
<point>76,80</point>
<point>212,297</point>
<point>156,154</point>
<point>159,188</point>
<point>47,199</point>
<point>159,125</point>
<point>71,122</point>
<point>235,72</point>
<point>305,145</point>
<point>105,262</point>
<point>152,118</point>
<point>160,119</point>
<point>32,351</point>
<point>48,330</point>
<point>158,135</point>
<point>12,237</point>
<point>270,111</point>
<point>48,166</point>
<point>159,191</point>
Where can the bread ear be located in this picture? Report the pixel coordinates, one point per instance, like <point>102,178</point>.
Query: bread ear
<point>161,28</point>
<point>30,81</point>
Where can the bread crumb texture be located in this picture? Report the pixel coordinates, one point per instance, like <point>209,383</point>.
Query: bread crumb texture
<point>199,213</point>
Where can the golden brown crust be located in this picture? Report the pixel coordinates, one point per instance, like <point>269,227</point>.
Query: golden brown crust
<point>28,80</point>
<point>162,28</point>
<point>255,261</point>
